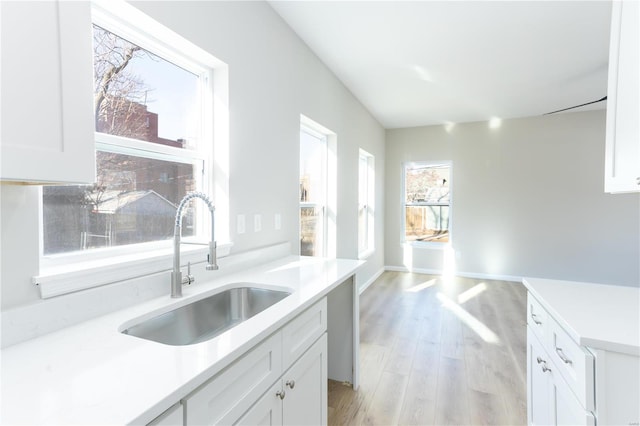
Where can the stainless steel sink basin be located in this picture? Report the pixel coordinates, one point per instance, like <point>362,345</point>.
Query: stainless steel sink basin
<point>206,318</point>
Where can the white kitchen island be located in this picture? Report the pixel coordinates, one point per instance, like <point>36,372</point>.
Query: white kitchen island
<point>583,353</point>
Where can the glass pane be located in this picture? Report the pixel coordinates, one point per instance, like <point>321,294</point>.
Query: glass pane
<point>142,96</point>
<point>134,200</point>
<point>363,229</point>
<point>427,223</point>
<point>363,195</point>
<point>310,229</point>
<point>312,161</point>
<point>427,184</point>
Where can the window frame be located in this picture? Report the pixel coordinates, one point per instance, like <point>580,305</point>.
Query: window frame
<point>403,230</point>
<point>323,222</point>
<point>368,204</point>
<point>132,260</point>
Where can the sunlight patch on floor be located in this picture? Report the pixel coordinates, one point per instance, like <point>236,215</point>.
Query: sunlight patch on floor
<point>419,287</point>
<point>472,322</point>
<point>471,293</point>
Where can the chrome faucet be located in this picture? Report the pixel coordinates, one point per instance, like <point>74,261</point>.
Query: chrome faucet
<point>212,264</point>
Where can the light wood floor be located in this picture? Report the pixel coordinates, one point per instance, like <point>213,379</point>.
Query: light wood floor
<point>437,351</point>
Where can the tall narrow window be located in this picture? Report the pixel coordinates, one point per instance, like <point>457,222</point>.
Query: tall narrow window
<point>313,192</point>
<point>427,202</point>
<point>366,188</point>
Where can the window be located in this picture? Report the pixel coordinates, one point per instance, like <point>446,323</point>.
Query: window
<point>427,202</point>
<point>313,192</point>
<point>366,190</point>
<point>155,100</point>
<point>150,151</point>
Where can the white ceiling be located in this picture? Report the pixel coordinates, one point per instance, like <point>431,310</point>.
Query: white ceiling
<point>419,63</point>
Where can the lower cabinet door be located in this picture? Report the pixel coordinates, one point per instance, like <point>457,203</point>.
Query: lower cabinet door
<point>569,411</point>
<point>305,387</point>
<point>540,399</point>
<point>267,411</point>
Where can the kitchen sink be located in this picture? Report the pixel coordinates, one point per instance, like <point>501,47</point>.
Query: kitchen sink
<point>206,318</point>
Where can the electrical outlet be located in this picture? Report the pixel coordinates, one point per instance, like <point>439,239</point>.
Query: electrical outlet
<point>241,224</point>
<point>257,222</point>
<point>278,221</point>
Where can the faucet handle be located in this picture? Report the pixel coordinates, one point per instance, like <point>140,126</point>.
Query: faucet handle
<point>189,278</point>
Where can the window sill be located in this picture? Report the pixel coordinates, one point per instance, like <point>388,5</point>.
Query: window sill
<point>366,254</point>
<point>58,280</point>
<point>426,245</point>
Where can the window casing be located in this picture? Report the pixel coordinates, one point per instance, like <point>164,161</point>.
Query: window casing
<point>366,203</point>
<point>426,203</point>
<point>144,174</point>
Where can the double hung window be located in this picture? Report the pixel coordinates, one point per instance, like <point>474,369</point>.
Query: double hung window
<point>427,202</point>
<point>313,192</point>
<point>366,202</point>
<point>152,147</point>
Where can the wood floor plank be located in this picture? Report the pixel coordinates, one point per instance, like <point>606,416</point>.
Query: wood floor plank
<point>384,408</point>
<point>424,361</point>
<point>451,399</point>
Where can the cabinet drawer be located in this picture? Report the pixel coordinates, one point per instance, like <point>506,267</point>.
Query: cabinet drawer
<point>229,394</point>
<point>568,410</point>
<point>575,364</point>
<point>537,318</point>
<point>302,331</point>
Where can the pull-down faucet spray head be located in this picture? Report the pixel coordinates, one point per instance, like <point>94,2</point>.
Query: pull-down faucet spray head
<point>212,262</point>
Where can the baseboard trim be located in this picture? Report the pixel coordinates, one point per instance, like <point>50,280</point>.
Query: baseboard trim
<point>371,280</point>
<point>476,275</point>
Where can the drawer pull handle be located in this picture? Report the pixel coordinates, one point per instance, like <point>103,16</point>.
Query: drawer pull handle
<point>281,394</point>
<point>535,319</point>
<point>540,360</point>
<point>563,357</point>
<point>291,383</point>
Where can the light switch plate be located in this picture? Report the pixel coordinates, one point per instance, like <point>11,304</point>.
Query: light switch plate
<point>257,222</point>
<point>278,221</point>
<point>241,224</point>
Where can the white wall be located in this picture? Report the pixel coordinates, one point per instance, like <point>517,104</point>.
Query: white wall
<point>528,200</point>
<point>274,78</point>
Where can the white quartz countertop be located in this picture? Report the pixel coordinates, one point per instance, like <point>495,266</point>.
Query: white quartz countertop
<point>596,315</point>
<point>91,373</point>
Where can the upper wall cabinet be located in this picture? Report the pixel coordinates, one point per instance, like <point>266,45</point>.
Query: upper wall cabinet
<point>622,156</point>
<point>47,133</point>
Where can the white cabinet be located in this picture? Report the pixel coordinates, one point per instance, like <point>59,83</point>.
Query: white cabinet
<point>305,384</point>
<point>47,130</point>
<point>254,389</point>
<point>574,384</point>
<point>299,397</point>
<point>622,154</point>
<point>229,394</point>
<point>550,400</point>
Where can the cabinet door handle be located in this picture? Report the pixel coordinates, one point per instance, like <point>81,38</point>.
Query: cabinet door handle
<point>291,383</point>
<point>535,319</point>
<point>281,394</point>
<point>563,356</point>
<point>544,364</point>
